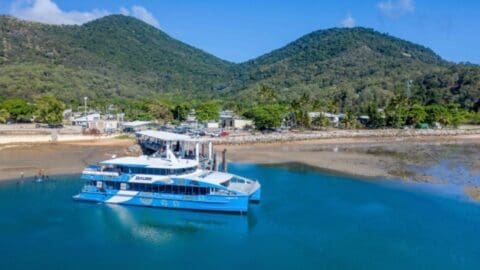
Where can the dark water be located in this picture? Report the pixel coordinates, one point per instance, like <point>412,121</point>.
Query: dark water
<point>307,220</point>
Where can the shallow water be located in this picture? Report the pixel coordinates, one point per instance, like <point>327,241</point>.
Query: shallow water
<point>306,220</point>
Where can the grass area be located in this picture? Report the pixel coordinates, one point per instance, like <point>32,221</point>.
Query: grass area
<point>125,137</point>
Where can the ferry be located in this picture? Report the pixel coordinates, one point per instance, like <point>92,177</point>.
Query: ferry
<point>174,175</point>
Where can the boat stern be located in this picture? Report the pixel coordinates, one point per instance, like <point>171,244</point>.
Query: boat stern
<point>256,193</point>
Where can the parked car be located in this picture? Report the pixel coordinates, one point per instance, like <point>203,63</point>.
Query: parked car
<point>55,125</point>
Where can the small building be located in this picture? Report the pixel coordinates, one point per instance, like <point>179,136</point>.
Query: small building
<point>104,126</point>
<point>228,119</point>
<point>212,125</point>
<point>67,115</point>
<point>135,126</point>
<point>334,118</point>
<point>83,121</point>
<point>191,117</point>
<point>242,123</point>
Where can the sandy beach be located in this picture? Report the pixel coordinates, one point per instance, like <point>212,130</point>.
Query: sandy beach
<point>365,157</point>
<point>405,158</point>
<point>64,157</point>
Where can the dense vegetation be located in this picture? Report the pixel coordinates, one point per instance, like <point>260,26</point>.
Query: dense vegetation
<point>355,67</point>
<point>125,65</point>
<point>46,109</point>
<point>112,56</point>
<point>269,113</point>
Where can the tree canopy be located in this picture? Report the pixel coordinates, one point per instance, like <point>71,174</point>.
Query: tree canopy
<point>49,110</point>
<point>20,110</point>
<point>208,111</point>
<point>268,116</point>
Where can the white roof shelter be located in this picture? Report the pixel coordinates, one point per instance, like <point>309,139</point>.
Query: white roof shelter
<point>164,136</point>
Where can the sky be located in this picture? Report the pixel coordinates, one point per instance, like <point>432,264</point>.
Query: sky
<point>241,30</point>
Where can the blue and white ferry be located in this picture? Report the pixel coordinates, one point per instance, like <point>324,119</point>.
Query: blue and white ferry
<point>172,177</point>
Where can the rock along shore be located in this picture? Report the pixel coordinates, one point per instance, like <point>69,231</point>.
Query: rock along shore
<point>342,134</point>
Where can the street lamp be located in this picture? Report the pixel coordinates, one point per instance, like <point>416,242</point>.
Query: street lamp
<point>85,99</point>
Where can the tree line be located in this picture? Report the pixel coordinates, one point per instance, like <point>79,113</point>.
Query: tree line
<point>266,108</point>
<point>269,112</point>
<point>48,109</point>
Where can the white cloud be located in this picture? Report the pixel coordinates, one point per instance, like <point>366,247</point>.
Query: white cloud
<point>348,22</point>
<point>47,11</point>
<point>124,11</point>
<point>143,14</point>
<point>397,8</point>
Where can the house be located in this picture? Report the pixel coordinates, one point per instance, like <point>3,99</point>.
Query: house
<point>135,126</point>
<point>83,121</point>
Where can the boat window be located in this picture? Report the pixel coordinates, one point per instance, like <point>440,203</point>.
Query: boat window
<point>225,184</point>
<point>155,188</point>
<point>123,186</point>
<point>154,171</point>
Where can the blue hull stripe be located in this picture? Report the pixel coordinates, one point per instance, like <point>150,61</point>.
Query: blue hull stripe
<point>204,203</point>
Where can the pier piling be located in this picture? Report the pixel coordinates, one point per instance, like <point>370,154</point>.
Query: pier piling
<point>224,160</point>
<point>215,164</point>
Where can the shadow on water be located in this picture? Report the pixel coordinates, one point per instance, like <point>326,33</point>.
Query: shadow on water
<point>145,222</point>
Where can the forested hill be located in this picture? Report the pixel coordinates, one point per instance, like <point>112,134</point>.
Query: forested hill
<point>112,56</point>
<point>119,56</point>
<point>353,65</point>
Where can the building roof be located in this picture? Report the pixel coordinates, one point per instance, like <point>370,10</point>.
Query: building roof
<point>90,117</point>
<point>136,124</point>
<point>164,136</point>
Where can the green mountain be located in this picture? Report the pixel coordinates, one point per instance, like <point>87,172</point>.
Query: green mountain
<point>112,56</point>
<point>119,56</point>
<point>350,65</point>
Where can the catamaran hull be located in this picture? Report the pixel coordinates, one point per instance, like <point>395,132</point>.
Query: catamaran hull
<point>233,204</point>
<point>256,195</point>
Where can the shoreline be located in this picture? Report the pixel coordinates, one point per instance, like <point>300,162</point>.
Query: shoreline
<point>360,134</point>
<point>412,160</point>
<point>331,155</point>
<point>371,158</point>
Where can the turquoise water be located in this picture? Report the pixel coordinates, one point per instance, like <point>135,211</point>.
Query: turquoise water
<point>307,220</point>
